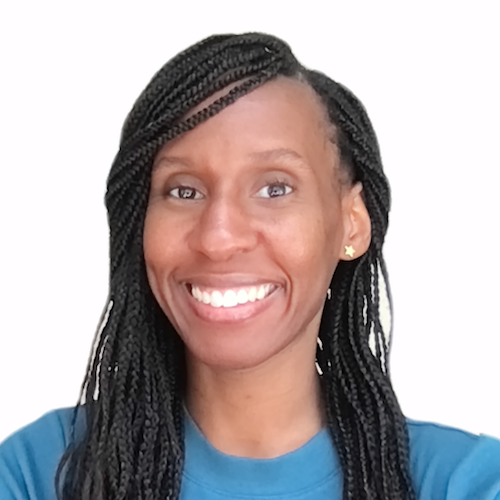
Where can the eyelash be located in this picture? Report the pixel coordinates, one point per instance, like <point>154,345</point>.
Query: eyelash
<point>178,188</point>
<point>197,195</point>
<point>288,188</point>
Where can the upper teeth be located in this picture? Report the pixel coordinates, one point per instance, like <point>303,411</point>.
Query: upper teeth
<point>231,298</point>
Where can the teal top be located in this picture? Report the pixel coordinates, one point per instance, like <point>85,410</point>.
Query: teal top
<point>446,464</point>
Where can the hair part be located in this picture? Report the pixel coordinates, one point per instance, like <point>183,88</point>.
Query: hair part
<point>132,396</point>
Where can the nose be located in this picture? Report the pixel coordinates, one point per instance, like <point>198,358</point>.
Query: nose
<point>224,229</point>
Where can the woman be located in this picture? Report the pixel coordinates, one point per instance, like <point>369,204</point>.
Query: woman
<point>242,353</point>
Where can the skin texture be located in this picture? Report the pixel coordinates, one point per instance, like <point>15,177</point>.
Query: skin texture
<point>252,384</point>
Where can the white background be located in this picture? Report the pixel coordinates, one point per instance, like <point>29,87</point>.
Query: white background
<point>428,72</point>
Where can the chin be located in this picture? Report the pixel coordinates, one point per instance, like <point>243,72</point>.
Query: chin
<point>230,354</point>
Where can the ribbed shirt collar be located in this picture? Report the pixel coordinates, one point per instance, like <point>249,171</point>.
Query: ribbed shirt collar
<point>311,464</point>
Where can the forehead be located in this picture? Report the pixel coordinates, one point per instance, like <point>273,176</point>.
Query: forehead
<point>281,114</point>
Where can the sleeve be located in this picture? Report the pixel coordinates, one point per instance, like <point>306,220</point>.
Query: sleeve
<point>450,464</point>
<point>477,475</point>
<point>30,457</point>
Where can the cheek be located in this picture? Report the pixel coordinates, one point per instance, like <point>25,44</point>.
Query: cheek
<point>161,247</point>
<point>154,239</point>
<point>306,245</point>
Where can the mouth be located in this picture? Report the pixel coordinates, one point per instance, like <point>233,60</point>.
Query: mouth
<point>230,297</point>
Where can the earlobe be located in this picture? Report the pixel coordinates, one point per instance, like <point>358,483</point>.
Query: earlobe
<point>357,224</point>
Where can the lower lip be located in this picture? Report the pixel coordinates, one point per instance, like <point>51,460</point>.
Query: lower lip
<point>234,314</point>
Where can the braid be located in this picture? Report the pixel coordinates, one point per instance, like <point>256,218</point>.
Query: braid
<point>132,396</point>
<point>363,413</point>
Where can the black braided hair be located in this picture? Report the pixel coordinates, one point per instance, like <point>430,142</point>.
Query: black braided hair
<point>132,447</point>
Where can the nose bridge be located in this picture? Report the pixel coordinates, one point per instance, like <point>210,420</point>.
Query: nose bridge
<point>225,227</point>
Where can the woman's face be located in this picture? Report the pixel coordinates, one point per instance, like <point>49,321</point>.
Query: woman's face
<point>245,226</point>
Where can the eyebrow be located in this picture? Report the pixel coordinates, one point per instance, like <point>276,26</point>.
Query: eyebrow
<point>269,155</point>
<point>277,154</point>
<point>170,161</point>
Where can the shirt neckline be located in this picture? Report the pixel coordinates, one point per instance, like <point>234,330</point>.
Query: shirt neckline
<point>304,468</point>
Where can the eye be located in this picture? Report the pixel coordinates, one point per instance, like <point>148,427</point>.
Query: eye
<point>274,190</point>
<point>185,193</point>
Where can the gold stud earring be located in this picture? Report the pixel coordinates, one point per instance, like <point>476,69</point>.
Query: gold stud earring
<point>349,251</point>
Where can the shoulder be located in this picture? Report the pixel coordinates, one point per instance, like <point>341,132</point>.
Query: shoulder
<point>451,464</point>
<point>29,457</point>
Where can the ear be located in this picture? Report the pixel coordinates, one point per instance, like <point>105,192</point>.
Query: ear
<point>357,224</point>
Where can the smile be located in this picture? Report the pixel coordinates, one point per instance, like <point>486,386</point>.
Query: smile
<point>231,297</point>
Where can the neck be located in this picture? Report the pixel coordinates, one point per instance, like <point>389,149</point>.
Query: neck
<point>261,412</point>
